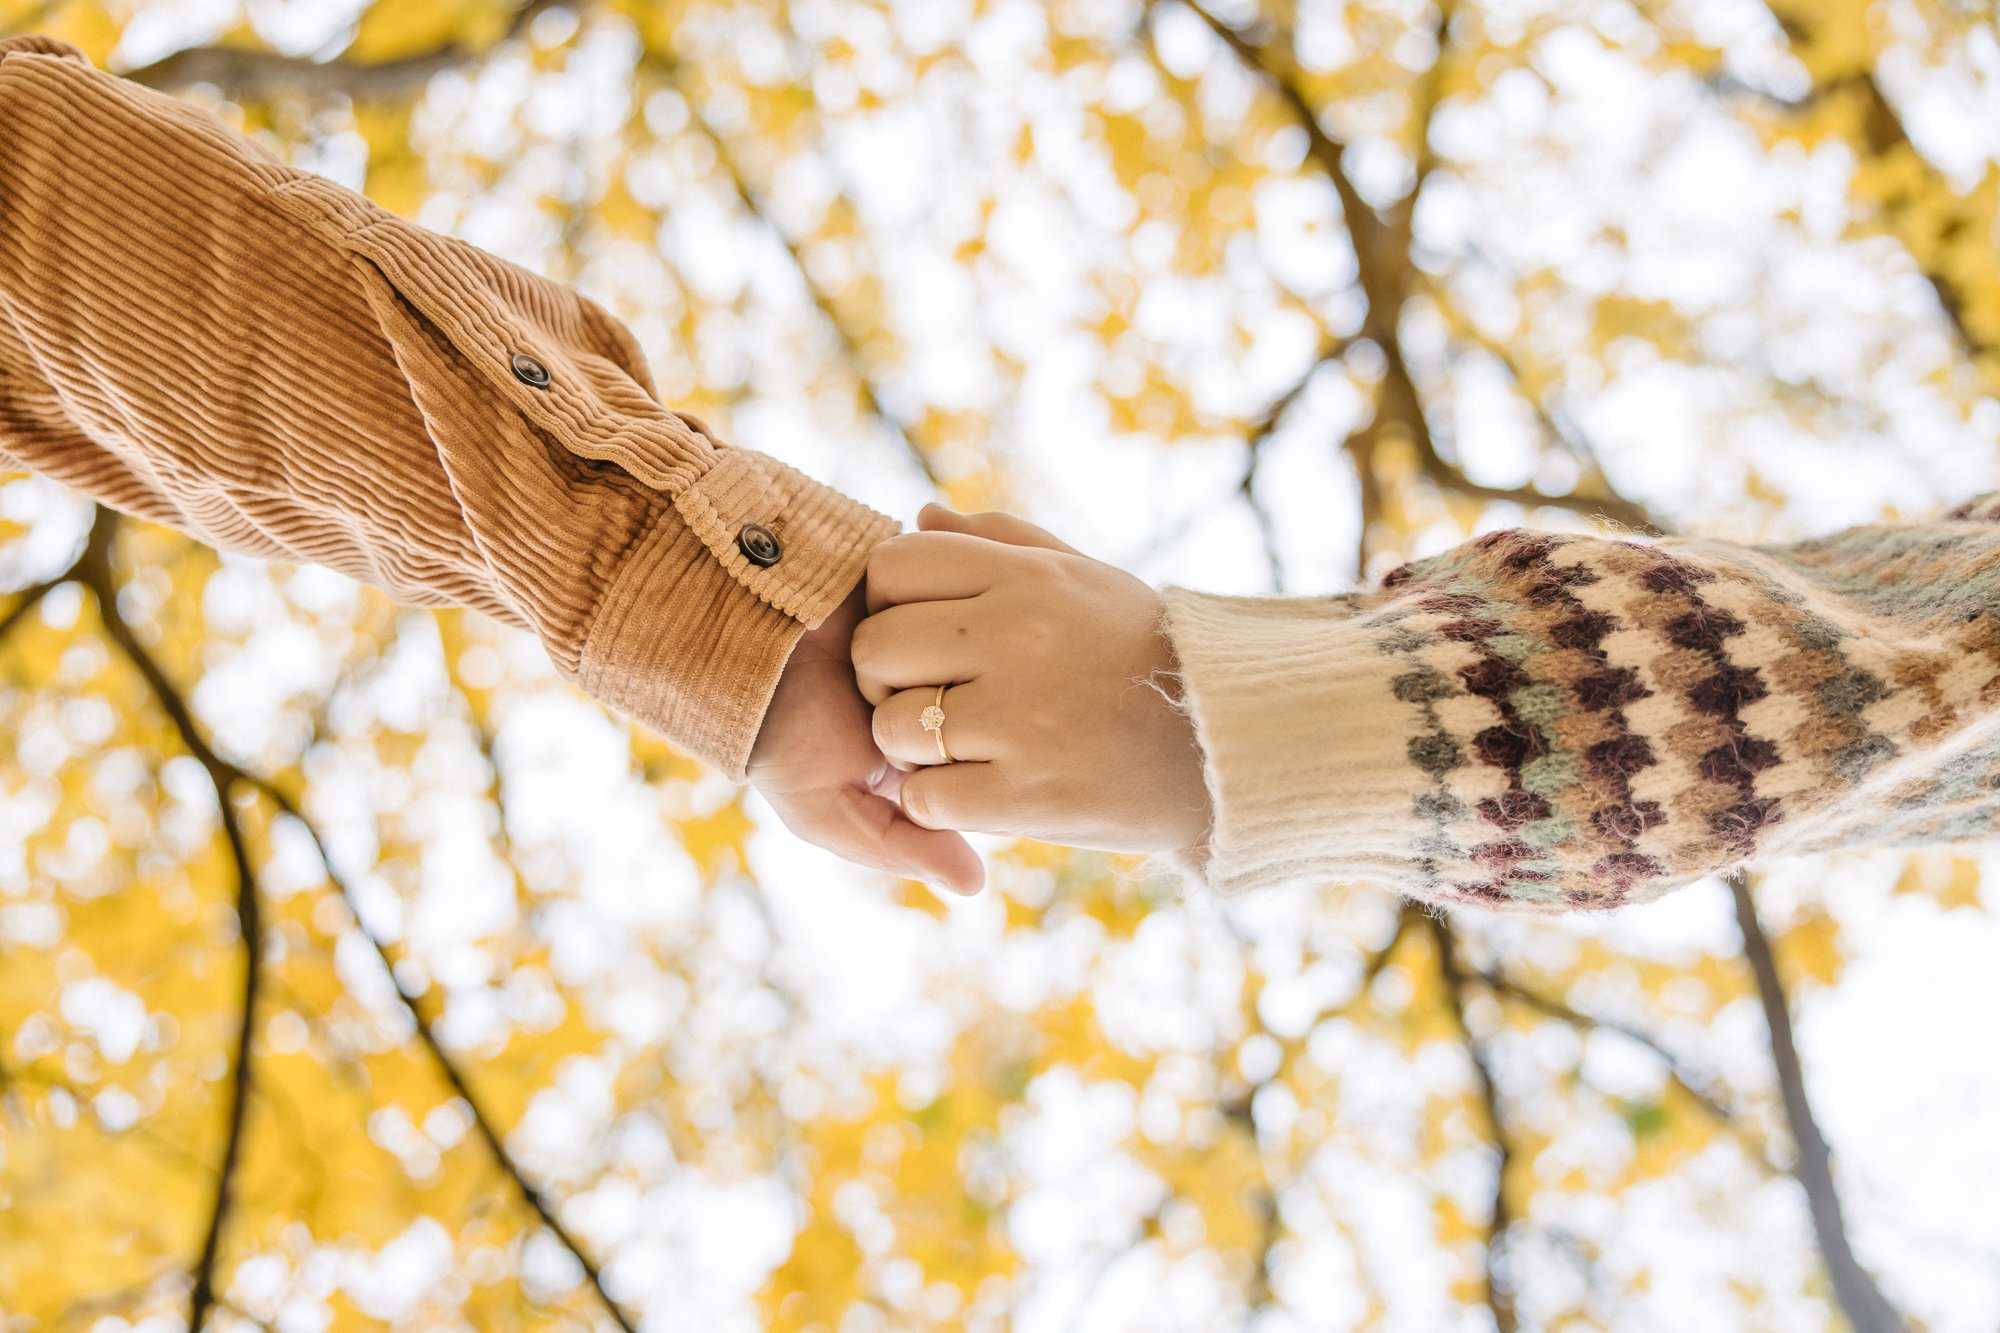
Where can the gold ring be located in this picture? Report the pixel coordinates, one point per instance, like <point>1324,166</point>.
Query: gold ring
<point>932,720</point>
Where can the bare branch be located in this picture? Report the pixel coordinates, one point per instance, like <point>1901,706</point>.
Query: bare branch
<point>31,597</point>
<point>1499,1288</point>
<point>245,75</point>
<point>1860,1299</point>
<point>1914,202</point>
<point>1429,95</point>
<point>1564,434</point>
<point>1331,350</point>
<point>1239,1111</point>
<point>1695,1086</point>
<point>1385,274</point>
<point>1376,254</point>
<point>94,570</point>
<point>1610,506</point>
<point>426,1033</point>
<point>669,66</point>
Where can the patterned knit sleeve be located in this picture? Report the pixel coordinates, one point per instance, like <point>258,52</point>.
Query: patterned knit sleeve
<point>1551,722</point>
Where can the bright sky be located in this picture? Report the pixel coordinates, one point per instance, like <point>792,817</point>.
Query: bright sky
<point>1899,1057</point>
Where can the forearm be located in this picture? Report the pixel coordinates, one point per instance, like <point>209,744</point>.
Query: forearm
<point>1544,722</point>
<point>196,333</point>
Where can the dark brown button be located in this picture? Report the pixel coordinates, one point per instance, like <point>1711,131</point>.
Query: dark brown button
<point>530,371</point>
<point>759,544</point>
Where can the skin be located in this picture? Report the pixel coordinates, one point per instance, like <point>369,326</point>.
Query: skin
<point>816,761</point>
<point>1060,710</point>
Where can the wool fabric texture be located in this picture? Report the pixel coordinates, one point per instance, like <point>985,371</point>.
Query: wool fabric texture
<point>1551,722</point>
<point>196,333</point>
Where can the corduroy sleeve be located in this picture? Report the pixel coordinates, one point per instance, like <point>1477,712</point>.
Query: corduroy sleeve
<point>196,333</point>
<point>1548,722</point>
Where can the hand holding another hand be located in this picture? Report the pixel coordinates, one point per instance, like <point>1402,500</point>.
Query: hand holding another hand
<point>1059,707</point>
<point>816,763</point>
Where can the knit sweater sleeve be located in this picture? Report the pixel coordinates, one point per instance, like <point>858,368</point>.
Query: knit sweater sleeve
<point>1544,722</point>
<point>197,333</point>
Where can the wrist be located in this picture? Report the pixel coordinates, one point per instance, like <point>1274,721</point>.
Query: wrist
<point>816,652</point>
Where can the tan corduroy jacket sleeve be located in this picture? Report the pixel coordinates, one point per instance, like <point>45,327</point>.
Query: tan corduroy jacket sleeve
<point>196,333</point>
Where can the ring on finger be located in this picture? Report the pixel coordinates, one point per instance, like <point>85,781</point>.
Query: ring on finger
<point>932,721</point>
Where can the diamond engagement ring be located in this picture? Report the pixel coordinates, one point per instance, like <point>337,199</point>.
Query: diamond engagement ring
<point>932,720</point>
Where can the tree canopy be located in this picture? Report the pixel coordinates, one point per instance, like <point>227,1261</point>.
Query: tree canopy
<point>357,972</point>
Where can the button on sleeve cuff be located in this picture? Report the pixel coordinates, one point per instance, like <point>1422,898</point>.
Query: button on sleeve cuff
<point>690,641</point>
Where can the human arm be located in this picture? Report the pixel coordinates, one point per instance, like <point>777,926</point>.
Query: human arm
<point>1529,721</point>
<point>196,333</point>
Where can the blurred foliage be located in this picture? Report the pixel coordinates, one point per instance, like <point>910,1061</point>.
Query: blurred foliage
<point>355,972</point>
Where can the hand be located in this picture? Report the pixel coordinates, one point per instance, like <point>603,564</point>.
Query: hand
<point>1061,710</point>
<point>816,762</point>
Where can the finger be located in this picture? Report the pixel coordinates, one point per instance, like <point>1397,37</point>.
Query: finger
<point>969,797</point>
<point>993,526</point>
<point>933,567</point>
<point>873,831</point>
<point>969,736</point>
<point>938,856</point>
<point>920,643</point>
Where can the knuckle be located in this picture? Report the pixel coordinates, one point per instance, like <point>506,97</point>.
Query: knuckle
<point>1035,788</point>
<point>919,802</point>
<point>892,551</point>
<point>865,644</point>
<point>884,728</point>
<point>1040,732</point>
<point>1032,631</point>
<point>882,561</point>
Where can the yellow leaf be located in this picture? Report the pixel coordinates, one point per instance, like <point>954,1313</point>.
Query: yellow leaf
<point>398,30</point>
<point>1811,948</point>
<point>715,841</point>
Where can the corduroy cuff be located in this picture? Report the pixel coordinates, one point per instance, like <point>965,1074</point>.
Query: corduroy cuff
<point>685,644</point>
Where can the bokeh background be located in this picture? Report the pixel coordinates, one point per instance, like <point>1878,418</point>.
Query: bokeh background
<point>548,1027</point>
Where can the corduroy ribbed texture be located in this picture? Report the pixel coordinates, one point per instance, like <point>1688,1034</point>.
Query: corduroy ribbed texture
<point>1548,722</point>
<point>196,333</point>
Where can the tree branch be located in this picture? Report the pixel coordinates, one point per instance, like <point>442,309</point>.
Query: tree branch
<point>1860,1299</point>
<point>1915,203</point>
<point>245,75</point>
<point>1693,1085</point>
<point>93,568</point>
<point>1606,503</point>
<point>1499,1288</point>
<point>94,571</point>
<point>1377,256</point>
<point>31,597</point>
<point>669,66</point>
<point>1266,425</point>
<point>460,1086</point>
<point>1611,506</point>
<point>1385,273</point>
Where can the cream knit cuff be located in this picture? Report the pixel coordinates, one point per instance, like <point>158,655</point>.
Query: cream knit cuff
<point>1304,743</point>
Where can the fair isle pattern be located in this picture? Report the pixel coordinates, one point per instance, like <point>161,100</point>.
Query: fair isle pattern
<point>1597,720</point>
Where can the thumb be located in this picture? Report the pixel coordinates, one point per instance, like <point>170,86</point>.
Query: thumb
<point>872,830</point>
<point>939,856</point>
<point>995,527</point>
